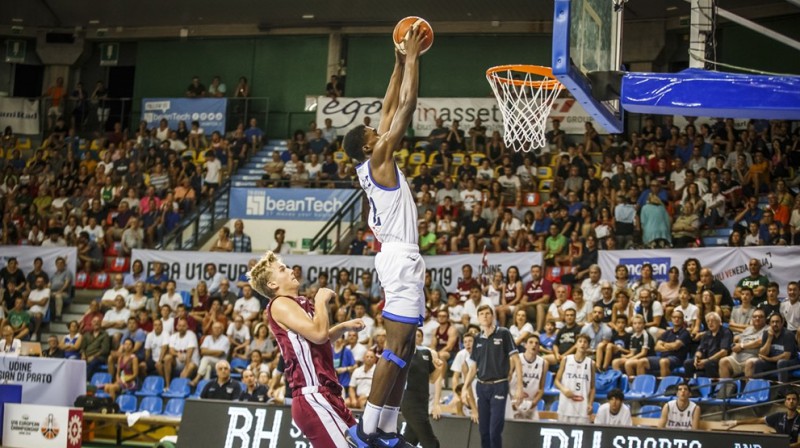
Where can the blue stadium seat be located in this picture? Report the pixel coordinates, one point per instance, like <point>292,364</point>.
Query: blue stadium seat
<point>540,405</point>
<point>174,407</point>
<point>666,382</point>
<point>554,406</point>
<point>712,398</point>
<point>650,411</point>
<point>98,380</point>
<point>605,381</point>
<point>239,364</point>
<point>549,385</point>
<point>703,387</point>
<point>127,403</point>
<point>642,387</point>
<point>178,388</point>
<point>153,405</point>
<point>152,386</point>
<point>199,388</point>
<point>186,296</point>
<point>756,391</point>
<point>595,407</point>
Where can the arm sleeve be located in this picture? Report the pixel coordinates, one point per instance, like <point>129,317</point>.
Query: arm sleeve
<point>508,343</point>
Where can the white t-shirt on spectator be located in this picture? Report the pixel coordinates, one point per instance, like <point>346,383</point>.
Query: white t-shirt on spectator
<point>222,343</point>
<point>155,343</point>
<point>95,234</point>
<point>471,309</point>
<point>13,350</point>
<point>111,295</point>
<point>455,313</point>
<point>213,167</point>
<point>113,315</point>
<point>171,301</point>
<point>362,380</point>
<point>515,332</point>
<point>428,329</point>
<point>470,198</point>
<point>240,335</point>
<point>358,351</point>
<point>313,170</point>
<point>37,295</point>
<point>247,308</point>
<point>169,325</point>
<point>689,313</point>
<point>458,362</point>
<point>183,344</point>
<point>552,311</point>
<point>369,325</point>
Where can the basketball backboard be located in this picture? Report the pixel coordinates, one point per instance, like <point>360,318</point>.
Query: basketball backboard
<point>586,54</point>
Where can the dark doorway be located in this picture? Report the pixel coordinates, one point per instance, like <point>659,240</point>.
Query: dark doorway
<point>120,89</point>
<point>28,80</point>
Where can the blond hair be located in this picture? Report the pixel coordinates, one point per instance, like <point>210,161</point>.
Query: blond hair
<point>261,274</point>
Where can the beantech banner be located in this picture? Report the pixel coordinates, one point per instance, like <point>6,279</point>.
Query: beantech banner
<point>210,112</point>
<point>347,113</point>
<point>21,114</point>
<point>187,268</point>
<point>728,264</point>
<point>301,204</point>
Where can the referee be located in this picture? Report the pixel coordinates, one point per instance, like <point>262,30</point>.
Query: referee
<point>426,367</point>
<point>493,352</point>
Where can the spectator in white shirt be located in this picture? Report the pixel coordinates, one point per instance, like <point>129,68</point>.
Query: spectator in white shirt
<point>183,356</point>
<point>214,278</point>
<point>248,307</point>
<point>155,348</point>
<point>239,336</point>
<point>361,381</point>
<point>356,347</point>
<point>115,320</point>
<point>167,320</point>
<point>591,286</point>
<point>215,348</point>
<point>118,289</point>
<point>9,345</point>
<point>170,298</point>
<point>471,305</point>
<point>614,412</point>
<point>38,304</point>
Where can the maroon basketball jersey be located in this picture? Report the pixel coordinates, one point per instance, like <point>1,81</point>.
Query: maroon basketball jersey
<point>307,364</point>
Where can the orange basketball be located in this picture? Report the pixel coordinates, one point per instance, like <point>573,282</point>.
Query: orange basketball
<point>404,26</point>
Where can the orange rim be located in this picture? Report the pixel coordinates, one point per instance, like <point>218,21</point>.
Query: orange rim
<point>500,74</point>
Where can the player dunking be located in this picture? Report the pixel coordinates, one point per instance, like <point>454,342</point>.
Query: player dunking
<point>401,270</point>
<point>301,328</point>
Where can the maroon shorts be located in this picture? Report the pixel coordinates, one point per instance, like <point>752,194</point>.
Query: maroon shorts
<point>323,418</point>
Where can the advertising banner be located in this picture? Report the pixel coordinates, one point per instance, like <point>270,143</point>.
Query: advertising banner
<point>27,425</point>
<point>47,381</point>
<point>728,264</point>
<point>296,204</point>
<point>21,114</point>
<point>258,426</point>
<point>25,256</point>
<point>188,268</point>
<point>210,112</point>
<point>347,113</point>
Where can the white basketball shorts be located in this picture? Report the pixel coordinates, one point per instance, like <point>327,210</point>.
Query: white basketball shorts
<point>401,271</point>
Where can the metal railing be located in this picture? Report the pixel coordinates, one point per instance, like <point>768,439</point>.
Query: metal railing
<point>341,224</point>
<point>200,223</point>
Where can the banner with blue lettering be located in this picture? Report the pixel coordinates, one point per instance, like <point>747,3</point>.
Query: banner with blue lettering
<point>728,264</point>
<point>295,204</point>
<point>210,112</point>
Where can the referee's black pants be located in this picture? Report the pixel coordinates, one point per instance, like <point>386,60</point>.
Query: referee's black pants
<point>418,423</point>
<point>492,413</point>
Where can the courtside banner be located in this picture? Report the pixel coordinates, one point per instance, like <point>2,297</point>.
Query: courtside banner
<point>25,256</point>
<point>288,204</point>
<point>238,425</point>
<point>210,112</point>
<point>21,114</point>
<point>26,425</point>
<point>347,113</point>
<point>728,264</point>
<point>188,268</point>
<point>47,381</point>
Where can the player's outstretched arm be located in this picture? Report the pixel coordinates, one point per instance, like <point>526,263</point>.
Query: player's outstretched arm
<point>381,160</point>
<point>291,316</point>
<point>392,97</point>
<point>338,330</point>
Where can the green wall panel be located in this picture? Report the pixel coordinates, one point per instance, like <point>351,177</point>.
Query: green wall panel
<point>746,48</point>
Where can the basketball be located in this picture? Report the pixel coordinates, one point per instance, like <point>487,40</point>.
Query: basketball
<point>404,26</point>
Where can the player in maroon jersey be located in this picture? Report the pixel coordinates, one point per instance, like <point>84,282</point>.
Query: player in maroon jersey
<point>301,328</point>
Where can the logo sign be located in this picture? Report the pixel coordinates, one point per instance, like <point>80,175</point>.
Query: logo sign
<point>42,426</point>
<point>210,112</point>
<point>660,267</point>
<point>306,204</point>
<point>16,50</point>
<point>109,54</point>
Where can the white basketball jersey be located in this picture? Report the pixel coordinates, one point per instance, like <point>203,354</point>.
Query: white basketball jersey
<point>393,211</point>
<point>531,375</point>
<point>677,418</point>
<point>577,377</point>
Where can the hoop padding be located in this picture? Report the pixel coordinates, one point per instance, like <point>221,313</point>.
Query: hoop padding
<point>525,94</point>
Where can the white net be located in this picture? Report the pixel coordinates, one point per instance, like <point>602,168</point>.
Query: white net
<point>525,100</point>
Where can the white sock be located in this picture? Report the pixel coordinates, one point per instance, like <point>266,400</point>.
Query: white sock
<point>370,417</point>
<point>388,422</point>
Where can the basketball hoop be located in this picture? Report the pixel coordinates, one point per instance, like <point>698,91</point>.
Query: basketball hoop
<point>525,94</point>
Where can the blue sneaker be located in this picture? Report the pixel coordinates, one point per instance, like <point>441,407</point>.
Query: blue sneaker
<point>390,440</point>
<point>357,439</point>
